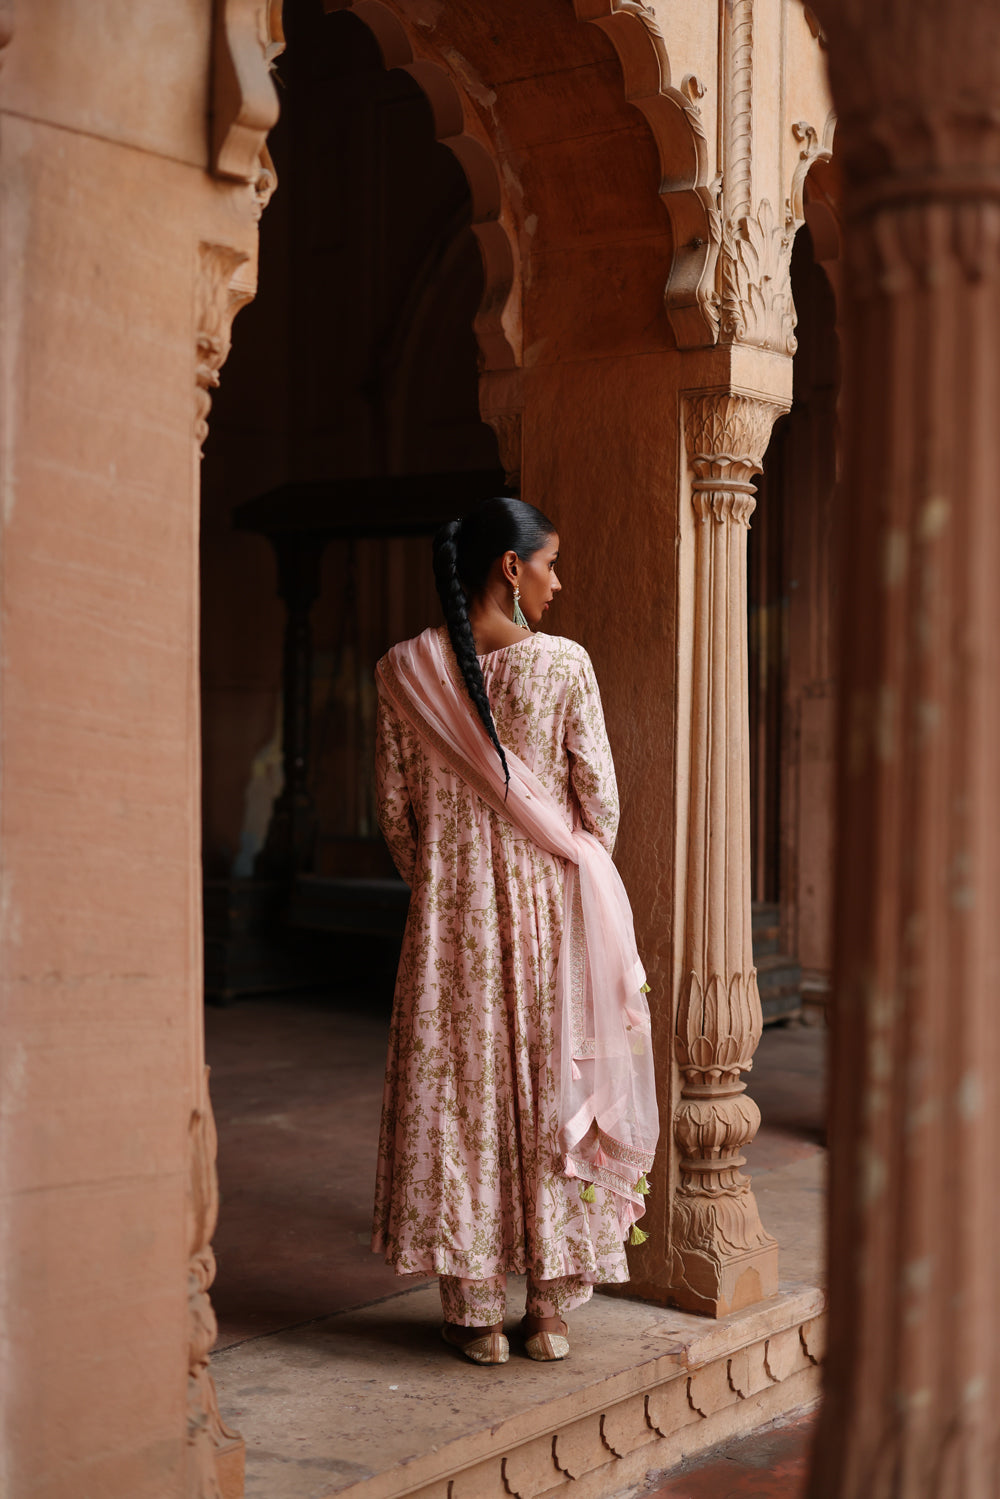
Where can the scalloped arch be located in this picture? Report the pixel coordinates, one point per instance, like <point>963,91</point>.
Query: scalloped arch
<point>675,120</point>
<point>497,325</point>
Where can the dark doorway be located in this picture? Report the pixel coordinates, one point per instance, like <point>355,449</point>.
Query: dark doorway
<point>792,687</point>
<point>347,422</point>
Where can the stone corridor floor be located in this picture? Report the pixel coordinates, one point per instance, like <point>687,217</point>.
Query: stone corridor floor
<point>769,1464</point>
<point>296,1085</point>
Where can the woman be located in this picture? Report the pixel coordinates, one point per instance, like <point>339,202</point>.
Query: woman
<point>519,1117</point>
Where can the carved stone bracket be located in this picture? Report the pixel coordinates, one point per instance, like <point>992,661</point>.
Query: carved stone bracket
<point>248,36</point>
<point>219,297</point>
<point>721,1256</point>
<point>729,280</point>
<point>215,1451</point>
<point>753,294</point>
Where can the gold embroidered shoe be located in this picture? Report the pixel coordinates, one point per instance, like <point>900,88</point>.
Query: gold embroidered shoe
<point>545,1347</point>
<point>491,1348</point>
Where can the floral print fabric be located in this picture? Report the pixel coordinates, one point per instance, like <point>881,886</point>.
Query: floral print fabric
<point>483,1303</point>
<point>469,1180</point>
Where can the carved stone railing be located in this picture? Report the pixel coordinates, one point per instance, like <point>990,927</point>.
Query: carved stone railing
<point>721,1256</point>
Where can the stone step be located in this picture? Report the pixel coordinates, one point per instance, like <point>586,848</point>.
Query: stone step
<point>764,914</point>
<point>765,926</point>
<point>369,1404</point>
<point>779,982</point>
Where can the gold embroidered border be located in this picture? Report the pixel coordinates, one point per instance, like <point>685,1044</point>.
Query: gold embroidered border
<point>642,1160</point>
<point>602,1177</point>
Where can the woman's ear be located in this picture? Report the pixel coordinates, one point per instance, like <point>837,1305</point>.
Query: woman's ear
<point>511,562</point>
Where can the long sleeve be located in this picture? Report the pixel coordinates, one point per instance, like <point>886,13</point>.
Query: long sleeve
<point>395,809</point>
<point>591,768</point>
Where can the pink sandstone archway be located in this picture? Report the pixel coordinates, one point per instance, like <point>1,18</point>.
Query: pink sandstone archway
<point>675,122</point>
<point>497,325</point>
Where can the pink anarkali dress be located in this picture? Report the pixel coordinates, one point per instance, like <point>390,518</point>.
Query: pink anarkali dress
<point>473,1178</point>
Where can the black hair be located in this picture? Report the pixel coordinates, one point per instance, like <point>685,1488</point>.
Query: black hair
<point>464,552</point>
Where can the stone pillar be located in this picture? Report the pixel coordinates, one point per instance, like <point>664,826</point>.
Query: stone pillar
<point>721,1256</point>
<point>913,1380</point>
<point>290,846</point>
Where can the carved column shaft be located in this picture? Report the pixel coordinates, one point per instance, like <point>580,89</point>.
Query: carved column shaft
<point>291,836</point>
<point>913,1380</point>
<point>721,1256</point>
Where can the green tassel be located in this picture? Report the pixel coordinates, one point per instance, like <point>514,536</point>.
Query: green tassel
<point>642,1186</point>
<point>637,1236</point>
<point>587,1193</point>
<point>645,989</point>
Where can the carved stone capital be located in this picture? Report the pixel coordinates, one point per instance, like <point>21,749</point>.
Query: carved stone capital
<point>219,296</point>
<point>906,248</point>
<point>726,435</point>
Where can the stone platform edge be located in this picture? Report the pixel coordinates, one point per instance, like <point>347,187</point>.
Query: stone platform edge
<point>740,1374</point>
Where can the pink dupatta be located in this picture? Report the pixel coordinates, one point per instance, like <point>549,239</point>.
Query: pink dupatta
<point>608,1122</point>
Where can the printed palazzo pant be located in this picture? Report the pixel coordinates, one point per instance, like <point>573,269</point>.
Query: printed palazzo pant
<point>482,1303</point>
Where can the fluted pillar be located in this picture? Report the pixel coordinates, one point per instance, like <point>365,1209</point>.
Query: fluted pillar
<point>721,1256</point>
<point>912,1407</point>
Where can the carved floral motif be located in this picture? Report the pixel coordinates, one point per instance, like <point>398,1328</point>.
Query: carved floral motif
<point>726,438</point>
<point>206,1430</point>
<point>730,277</point>
<point>219,298</point>
<point>754,287</point>
<point>718,1027</point>
<point>751,299</point>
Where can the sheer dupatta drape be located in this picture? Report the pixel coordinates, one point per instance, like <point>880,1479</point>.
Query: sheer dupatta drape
<point>607,1104</point>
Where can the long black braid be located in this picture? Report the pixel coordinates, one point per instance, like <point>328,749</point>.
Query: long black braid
<point>464,552</point>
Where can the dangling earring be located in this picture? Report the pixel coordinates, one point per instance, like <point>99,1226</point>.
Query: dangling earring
<point>519,618</point>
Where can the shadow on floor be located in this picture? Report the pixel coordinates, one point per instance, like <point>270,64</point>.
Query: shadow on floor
<point>297,1090</point>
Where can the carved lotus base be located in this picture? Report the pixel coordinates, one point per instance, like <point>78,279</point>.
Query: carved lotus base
<point>717,1285</point>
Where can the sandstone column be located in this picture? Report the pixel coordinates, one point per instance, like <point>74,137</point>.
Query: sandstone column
<point>913,1380</point>
<point>722,1258</point>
